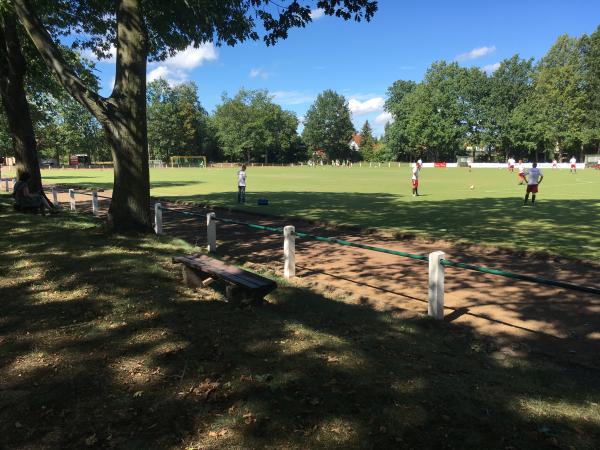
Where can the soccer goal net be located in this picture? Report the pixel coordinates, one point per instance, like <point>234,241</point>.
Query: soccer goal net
<point>188,161</point>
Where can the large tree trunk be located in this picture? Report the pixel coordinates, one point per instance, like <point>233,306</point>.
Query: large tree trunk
<point>12,89</point>
<point>126,125</point>
<point>122,115</point>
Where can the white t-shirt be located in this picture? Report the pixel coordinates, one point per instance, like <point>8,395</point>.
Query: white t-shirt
<point>415,173</point>
<point>534,175</point>
<point>420,161</point>
<point>242,178</point>
<point>511,162</point>
<point>573,161</point>
<point>521,168</point>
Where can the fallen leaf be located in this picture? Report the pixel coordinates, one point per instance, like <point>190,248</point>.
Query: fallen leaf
<point>138,393</point>
<point>91,440</point>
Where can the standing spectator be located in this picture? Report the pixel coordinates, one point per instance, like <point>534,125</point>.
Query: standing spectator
<point>535,178</point>
<point>242,184</point>
<point>573,162</point>
<point>415,181</point>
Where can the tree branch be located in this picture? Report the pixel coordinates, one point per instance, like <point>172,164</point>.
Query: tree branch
<point>52,56</point>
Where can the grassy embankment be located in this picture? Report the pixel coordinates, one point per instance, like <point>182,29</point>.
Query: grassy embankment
<point>101,347</point>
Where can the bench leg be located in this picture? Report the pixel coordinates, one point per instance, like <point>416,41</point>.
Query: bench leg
<point>192,278</point>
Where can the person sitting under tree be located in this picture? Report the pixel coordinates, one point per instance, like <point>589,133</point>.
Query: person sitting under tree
<point>533,178</point>
<point>29,200</point>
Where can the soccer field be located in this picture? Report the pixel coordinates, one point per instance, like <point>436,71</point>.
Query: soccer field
<point>565,221</point>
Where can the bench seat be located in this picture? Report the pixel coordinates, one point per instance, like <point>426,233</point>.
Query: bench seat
<point>243,286</point>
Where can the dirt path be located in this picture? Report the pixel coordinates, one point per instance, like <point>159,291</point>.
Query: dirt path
<point>517,316</point>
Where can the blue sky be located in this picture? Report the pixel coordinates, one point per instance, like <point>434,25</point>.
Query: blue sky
<point>361,60</point>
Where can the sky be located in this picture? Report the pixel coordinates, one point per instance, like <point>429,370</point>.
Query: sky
<point>361,60</point>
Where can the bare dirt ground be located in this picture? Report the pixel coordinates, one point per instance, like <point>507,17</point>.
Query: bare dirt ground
<point>517,316</point>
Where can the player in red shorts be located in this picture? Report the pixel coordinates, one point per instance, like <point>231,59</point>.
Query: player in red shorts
<point>511,164</point>
<point>522,179</point>
<point>415,181</point>
<point>573,162</point>
<point>535,178</point>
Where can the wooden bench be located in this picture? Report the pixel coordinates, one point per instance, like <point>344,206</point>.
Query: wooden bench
<point>243,287</point>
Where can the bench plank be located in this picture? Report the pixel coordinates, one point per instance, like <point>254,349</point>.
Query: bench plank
<point>229,273</point>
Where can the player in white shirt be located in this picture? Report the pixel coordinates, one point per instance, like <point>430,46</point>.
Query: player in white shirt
<point>511,164</point>
<point>419,163</point>
<point>521,172</point>
<point>242,185</point>
<point>415,181</point>
<point>573,162</point>
<point>554,164</point>
<point>534,178</point>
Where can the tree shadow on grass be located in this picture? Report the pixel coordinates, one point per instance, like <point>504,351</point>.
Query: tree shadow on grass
<point>103,348</point>
<point>563,227</point>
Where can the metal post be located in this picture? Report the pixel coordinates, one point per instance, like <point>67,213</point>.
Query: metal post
<point>211,232</point>
<point>55,195</point>
<point>435,307</point>
<point>289,252</point>
<point>158,222</point>
<point>95,203</point>
<point>72,199</point>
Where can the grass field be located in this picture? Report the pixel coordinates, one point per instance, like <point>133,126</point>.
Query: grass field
<point>101,346</point>
<point>566,220</point>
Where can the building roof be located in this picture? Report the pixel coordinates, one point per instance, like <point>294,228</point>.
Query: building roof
<point>356,138</point>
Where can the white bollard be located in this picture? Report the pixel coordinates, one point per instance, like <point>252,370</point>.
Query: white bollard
<point>72,199</point>
<point>54,196</point>
<point>435,307</point>
<point>158,222</point>
<point>389,164</point>
<point>95,203</point>
<point>289,252</point>
<point>211,232</point>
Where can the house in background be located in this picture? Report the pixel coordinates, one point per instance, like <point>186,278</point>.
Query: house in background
<point>355,141</point>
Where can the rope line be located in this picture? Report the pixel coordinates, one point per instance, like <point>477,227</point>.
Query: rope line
<point>504,273</point>
<point>444,262</point>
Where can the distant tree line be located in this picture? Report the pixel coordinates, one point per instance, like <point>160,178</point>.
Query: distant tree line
<point>534,111</point>
<point>527,110</point>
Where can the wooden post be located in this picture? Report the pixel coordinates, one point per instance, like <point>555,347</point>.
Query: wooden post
<point>95,203</point>
<point>72,199</point>
<point>289,252</point>
<point>435,307</point>
<point>158,221</point>
<point>211,232</point>
<point>55,195</point>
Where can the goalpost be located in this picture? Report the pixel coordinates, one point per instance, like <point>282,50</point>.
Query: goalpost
<point>187,161</point>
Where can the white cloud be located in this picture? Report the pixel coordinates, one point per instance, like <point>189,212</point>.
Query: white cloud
<point>258,72</point>
<point>191,57</point>
<point>491,68</point>
<point>292,97</point>
<point>359,108</point>
<point>176,68</point>
<point>383,118</point>
<point>476,53</point>
<point>316,14</point>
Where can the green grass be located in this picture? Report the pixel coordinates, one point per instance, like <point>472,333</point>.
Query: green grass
<point>565,222</point>
<point>101,347</point>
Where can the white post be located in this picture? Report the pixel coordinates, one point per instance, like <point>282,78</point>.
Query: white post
<point>72,199</point>
<point>95,203</point>
<point>6,184</point>
<point>289,252</point>
<point>389,164</point>
<point>54,195</point>
<point>158,222</point>
<point>436,285</point>
<point>211,232</point>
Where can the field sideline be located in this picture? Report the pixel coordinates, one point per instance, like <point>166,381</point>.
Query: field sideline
<point>566,220</point>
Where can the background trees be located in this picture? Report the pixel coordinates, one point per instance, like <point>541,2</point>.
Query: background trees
<point>328,126</point>
<point>250,127</point>
<point>529,111</point>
